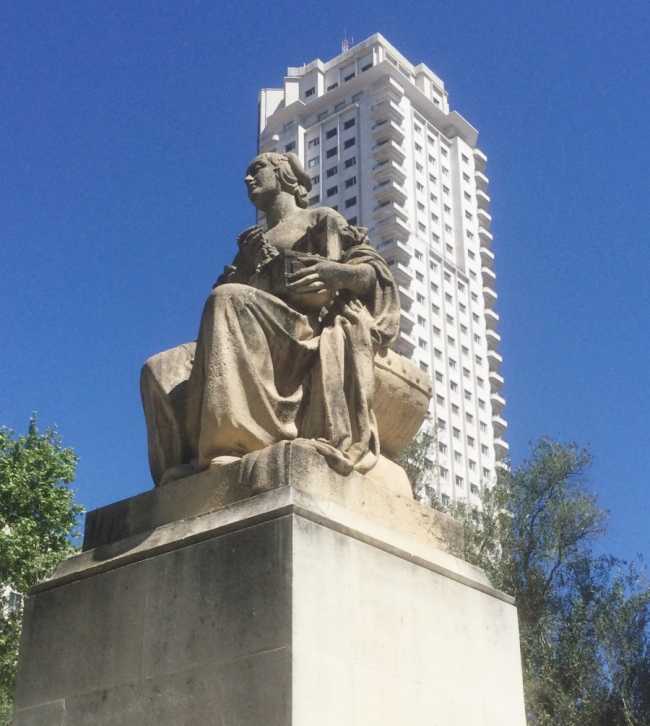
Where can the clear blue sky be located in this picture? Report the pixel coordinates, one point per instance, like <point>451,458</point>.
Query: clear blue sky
<point>124,132</point>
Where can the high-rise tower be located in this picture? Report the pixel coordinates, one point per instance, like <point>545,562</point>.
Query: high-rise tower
<point>376,135</point>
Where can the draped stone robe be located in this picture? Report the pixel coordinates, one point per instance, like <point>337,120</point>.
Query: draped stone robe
<point>265,371</point>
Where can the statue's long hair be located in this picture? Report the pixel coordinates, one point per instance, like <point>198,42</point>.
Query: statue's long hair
<point>291,175</point>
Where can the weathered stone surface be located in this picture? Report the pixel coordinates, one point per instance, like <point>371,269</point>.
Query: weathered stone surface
<point>383,494</point>
<point>295,606</point>
<point>293,344</point>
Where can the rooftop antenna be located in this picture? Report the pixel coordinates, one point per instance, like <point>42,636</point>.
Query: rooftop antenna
<point>345,43</point>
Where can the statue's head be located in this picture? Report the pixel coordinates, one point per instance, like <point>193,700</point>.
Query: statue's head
<point>271,173</point>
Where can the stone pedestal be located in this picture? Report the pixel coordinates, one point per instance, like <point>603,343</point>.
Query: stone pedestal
<point>319,602</point>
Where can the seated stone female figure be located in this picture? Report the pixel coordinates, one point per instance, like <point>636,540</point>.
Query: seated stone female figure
<point>288,336</point>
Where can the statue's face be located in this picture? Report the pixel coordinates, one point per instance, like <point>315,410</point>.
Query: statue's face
<point>262,182</point>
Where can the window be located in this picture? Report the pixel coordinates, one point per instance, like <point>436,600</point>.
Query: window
<point>468,395</point>
<point>444,151</point>
<point>451,340</point>
<point>456,433</point>
<point>480,382</point>
<point>469,418</point>
<point>323,114</point>
<point>465,349</point>
<point>436,330</point>
<point>442,424</point>
<point>484,449</point>
<point>367,67</point>
<point>419,186</point>
<point>447,209</point>
<point>471,441</point>
<point>444,497</point>
<point>352,220</point>
<point>440,400</point>
<point>314,199</point>
<point>418,147</point>
<point>349,123</point>
<point>435,217</point>
<point>315,179</point>
<point>431,160</point>
<point>457,458</point>
<point>350,202</point>
<point>468,216</point>
<point>421,320</point>
<point>471,464</point>
<point>331,152</point>
<point>467,196</point>
<point>349,143</point>
<point>420,207</point>
<point>466,372</point>
<point>419,277</point>
<point>432,179</point>
<point>313,142</point>
<point>486,473</point>
<point>357,96</point>
<point>332,191</point>
<point>435,308</point>
<point>435,288</point>
<point>464,158</point>
<point>453,385</point>
<point>452,363</point>
<point>437,352</point>
<point>331,133</point>
<point>448,297</point>
<point>424,366</point>
<point>312,162</point>
<point>421,227</point>
<point>481,403</point>
<point>419,297</point>
<point>310,92</point>
<point>445,190</point>
<point>350,182</point>
<point>419,167</point>
<point>454,409</point>
<point>474,489</point>
<point>417,129</point>
<point>349,77</point>
<point>332,86</point>
<point>418,255</point>
<point>483,426</point>
<point>442,447</point>
<point>439,377</point>
<point>332,171</point>
<point>465,177</point>
<point>350,162</point>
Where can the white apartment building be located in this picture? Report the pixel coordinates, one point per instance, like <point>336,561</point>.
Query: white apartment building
<point>378,139</point>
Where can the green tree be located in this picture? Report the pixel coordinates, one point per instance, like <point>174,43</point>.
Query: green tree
<point>583,617</point>
<point>37,520</point>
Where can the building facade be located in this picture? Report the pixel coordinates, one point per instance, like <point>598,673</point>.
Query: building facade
<point>380,144</point>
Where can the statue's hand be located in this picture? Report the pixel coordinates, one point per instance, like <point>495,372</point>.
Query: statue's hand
<point>332,276</point>
<point>320,277</point>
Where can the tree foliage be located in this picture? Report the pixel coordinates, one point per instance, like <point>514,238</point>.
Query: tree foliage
<point>37,519</point>
<point>583,616</point>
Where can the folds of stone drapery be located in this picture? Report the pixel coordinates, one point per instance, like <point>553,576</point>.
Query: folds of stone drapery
<point>265,373</point>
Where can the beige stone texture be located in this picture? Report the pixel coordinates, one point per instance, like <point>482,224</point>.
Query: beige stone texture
<point>308,603</point>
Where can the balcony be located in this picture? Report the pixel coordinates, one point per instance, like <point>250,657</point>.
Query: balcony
<point>489,296</point>
<point>389,150</point>
<point>489,278</point>
<point>494,360</point>
<point>480,160</point>
<point>481,180</point>
<point>484,219</point>
<point>387,129</point>
<point>406,321</point>
<point>491,319</point>
<point>487,256</point>
<point>389,190</point>
<point>499,425</point>
<point>406,297</point>
<point>498,403</point>
<point>398,251</point>
<point>496,381</point>
<point>501,449</point>
<point>482,200</point>
<point>393,226</point>
<point>388,169</point>
<point>502,465</point>
<point>401,273</point>
<point>405,345</point>
<point>485,236</point>
<point>493,339</point>
<point>387,108</point>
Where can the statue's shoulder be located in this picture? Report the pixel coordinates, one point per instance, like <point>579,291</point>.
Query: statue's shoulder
<point>318,214</point>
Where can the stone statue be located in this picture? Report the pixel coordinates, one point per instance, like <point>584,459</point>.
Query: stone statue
<point>288,344</point>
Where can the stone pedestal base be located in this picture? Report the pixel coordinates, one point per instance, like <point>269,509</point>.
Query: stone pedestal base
<point>305,605</point>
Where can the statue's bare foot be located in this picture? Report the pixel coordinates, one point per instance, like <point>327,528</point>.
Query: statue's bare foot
<point>223,460</point>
